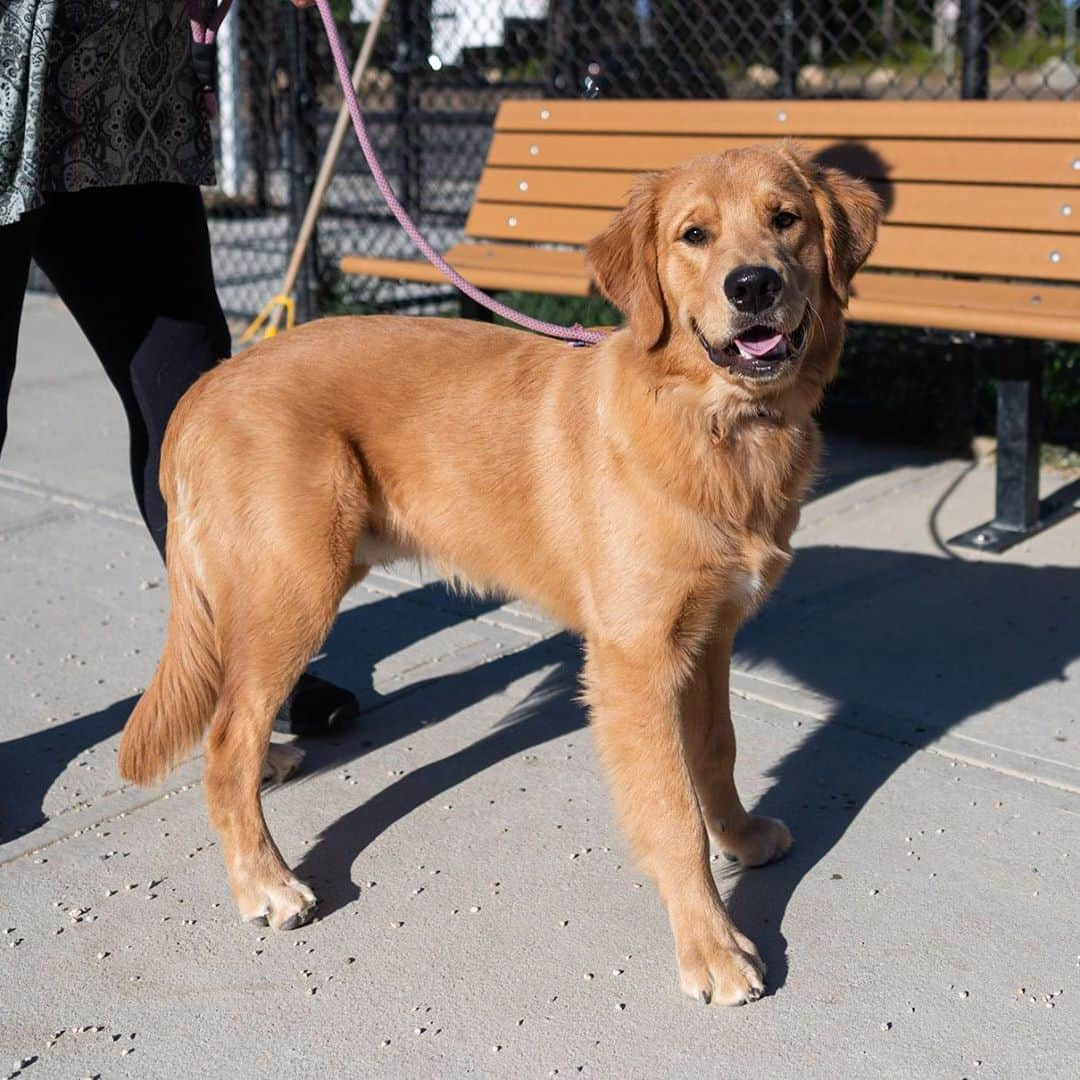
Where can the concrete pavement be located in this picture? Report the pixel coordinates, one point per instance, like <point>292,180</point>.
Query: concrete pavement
<point>911,714</point>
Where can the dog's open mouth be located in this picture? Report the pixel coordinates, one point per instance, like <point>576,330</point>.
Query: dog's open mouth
<point>757,352</point>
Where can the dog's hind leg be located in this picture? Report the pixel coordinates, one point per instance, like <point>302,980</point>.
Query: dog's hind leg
<point>709,743</point>
<point>271,635</point>
<point>271,616</point>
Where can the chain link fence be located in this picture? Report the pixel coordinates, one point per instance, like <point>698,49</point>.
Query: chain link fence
<point>441,67</point>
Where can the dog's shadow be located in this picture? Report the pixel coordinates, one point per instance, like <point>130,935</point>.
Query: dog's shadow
<point>928,643</point>
<point>547,711</point>
<point>32,763</point>
<point>910,645</point>
<point>363,636</point>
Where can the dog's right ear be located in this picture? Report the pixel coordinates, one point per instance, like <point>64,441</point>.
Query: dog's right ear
<point>623,260</point>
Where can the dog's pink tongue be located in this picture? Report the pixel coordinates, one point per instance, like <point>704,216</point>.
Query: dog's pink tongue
<point>758,348</point>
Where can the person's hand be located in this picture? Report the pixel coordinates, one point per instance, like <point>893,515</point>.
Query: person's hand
<point>303,3</point>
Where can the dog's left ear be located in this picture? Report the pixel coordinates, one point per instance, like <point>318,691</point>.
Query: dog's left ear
<point>850,213</point>
<point>623,262</point>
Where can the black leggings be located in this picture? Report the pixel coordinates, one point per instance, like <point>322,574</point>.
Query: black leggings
<point>133,266</point>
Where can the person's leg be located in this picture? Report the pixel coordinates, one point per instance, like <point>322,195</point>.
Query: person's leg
<point>14,272</point>
<point>133,265</point>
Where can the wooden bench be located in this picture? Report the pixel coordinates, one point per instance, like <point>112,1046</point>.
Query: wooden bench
<point>981,233</point>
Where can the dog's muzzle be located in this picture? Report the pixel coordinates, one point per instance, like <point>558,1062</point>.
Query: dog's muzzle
<point>758,352</point>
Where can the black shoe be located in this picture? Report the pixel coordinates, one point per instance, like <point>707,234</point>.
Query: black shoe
<point>316,707</point>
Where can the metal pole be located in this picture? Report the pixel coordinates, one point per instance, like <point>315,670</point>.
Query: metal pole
<point>403,74</point>
<point>258,35</point>
<point>1070,34</point>
<point>559,77</point>
<point>232,144</point>
<point>789,72</point>
<point>1019,400</point>
<point>301,156</point>
<point>975,58</point>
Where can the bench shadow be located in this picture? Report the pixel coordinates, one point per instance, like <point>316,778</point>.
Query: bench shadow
<point>910,646</point>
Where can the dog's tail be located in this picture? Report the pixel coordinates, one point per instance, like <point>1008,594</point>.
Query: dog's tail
<point>177,706</point>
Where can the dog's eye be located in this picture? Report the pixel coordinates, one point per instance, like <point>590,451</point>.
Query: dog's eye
<point>694,236</point>
<point>783,220</point>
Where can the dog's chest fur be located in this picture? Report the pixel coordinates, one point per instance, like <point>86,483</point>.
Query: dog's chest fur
<point>753,499</point>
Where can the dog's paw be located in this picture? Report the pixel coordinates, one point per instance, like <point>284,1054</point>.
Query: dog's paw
<point>284,905</point>
<point>758,841</point>
<point>283,761</point>
<point>720,967</point>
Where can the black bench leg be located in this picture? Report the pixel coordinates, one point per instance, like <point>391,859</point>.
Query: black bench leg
<point>470,309</point>
<point>1018,512</point>
<point>1019,435</point>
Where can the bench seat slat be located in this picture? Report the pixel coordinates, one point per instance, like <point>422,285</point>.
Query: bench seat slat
<point>520,257</point>
<point>1040,209</point>
<point>894,160</point>
<point>1051,120</point>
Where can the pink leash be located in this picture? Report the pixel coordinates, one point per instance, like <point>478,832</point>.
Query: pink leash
<point>203,35</point>
<point>567,333</point>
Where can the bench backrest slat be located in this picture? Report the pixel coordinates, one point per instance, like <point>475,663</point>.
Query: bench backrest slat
<point>1041,209</point>
<point>1053,120</point>
<point>893,160</point>
<point>982,188</point>
<point>998,253</point>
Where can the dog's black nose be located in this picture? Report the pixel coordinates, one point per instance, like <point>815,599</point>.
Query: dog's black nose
<point>752,288</point>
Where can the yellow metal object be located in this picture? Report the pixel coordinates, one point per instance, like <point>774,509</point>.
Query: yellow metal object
<point>271,316</point>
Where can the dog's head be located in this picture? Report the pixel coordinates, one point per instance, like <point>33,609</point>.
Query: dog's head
<point>740,261</point>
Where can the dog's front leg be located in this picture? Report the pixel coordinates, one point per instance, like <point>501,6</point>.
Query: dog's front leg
<point>709,742</point>
<point>636,699</point>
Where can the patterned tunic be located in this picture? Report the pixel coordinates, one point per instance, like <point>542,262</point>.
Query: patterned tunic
<point>97,93</point>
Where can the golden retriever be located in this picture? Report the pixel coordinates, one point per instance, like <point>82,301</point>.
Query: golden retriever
<point>643,491</point>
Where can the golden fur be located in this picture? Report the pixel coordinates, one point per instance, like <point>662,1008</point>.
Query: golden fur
<point>637,490</point>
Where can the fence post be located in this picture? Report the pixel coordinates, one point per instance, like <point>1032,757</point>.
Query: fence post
<point>260,49</point>
<point>787,87</point>
<point>413,27</point>
<point>300,148</point>
<point>560,45</point>
<point>975,59</point>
